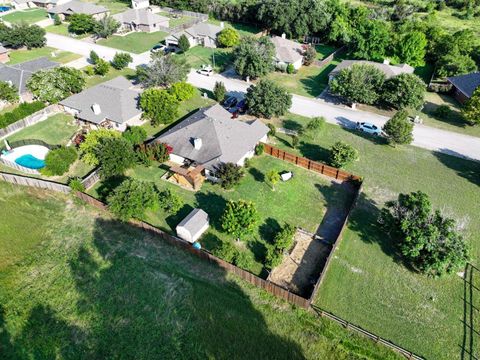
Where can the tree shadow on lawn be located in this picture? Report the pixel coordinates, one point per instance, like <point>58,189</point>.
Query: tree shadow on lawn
<point>292,125</point>
<point>214,205</point>
<point>269,229</point>
<point>466,168</point>
<point>257,174</point>
<point>314,152</point>
<point>107,186</point>
<point>454,118</point>
<point>174,219</point>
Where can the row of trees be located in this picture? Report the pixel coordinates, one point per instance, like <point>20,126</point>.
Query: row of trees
<point>83,24</point>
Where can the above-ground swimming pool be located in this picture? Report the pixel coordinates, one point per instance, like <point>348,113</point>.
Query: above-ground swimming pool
<point>28,156</point>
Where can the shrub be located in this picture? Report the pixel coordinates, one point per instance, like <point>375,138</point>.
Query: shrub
<point>219,91</point>
<point>89,70</point>
<point>183,43</point>
<point>290,69</point>
<point>161,152</point>
<point>309,55</point>
<point>230,174</point>
<point>56,20</point>
<point>295,141</point>
<point>8,93</point>
<point>94,57</point>
<point>81,23</point>
<point>115,155</point>
<point>226,251</point>
<point>246,163</point>
<point>442,112</point>
<point>121,60</point>
<point>182,91</point>
<point>135,135</point>
<point>273,130</point>
<point>22,111</point>
<point>92,140</point>
<point>315,126</point>
<point>342,154</point>
<point>399,128</point>
<point>273,258</point>
<point>170,202</point>
<point>76,184</point>
<point>259,149</point>
<point>58,161</point>
<point>239,218</point>
<point>284,238</point>
<point>244,259</point>
<point>101,67</point>
<point>228,37</point>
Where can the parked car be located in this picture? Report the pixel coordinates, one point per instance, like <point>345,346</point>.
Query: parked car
<point>369,128</point>
<point>158,48</point>
<point>239,107</point>
<point>205,70</point>
<point>230,102</point>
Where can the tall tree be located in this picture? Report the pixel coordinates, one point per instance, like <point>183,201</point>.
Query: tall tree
<point>159,106</point>
<point>471,110</point>
<point>254,58</point>
<point>163,70</point>
<point>105,27</point>
<point>371,40</point>
<point>115,156</point>
<point>268,99</point>
<point>411,48</point>
<point>399,128</point>
<point>183,43</point>
<point>81,24</point>
<point>239,218</point>
<point>404,91</point>
<point>228,37</point>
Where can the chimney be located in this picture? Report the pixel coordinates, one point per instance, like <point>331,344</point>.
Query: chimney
<point>284,36</point>
<point>197,143</point>
<point>386,61</point>
<point>96,109</point>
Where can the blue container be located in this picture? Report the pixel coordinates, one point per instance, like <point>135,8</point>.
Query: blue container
<point>4,8</point>
<point>197,245</point>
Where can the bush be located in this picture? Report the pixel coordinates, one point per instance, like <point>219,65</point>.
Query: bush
<point>295,141</point>
<point>94,57</point>
<point>91,142</point>
<point>226,251</point>
<point>56,20</point>
<point>135,135</point>
<point>161,152</point>
<point>115,155</point>
<point>219,91</point>
<point>89,70</point>
<point>273,258</point>
<point>284,238</point>
<point>273,130</point>
<point>315,126</point>
<point>244,259</point>
<point>442,112</point>
<point>81,24</point>
<point>230,174</point>
<point>101,67</point>
<point>182,91</point>
<point>342,154</point>
<point>239,218</point>
<point>8,93</point>
<point>228,37</point>
<point>399,128</point>
<point>290,69</point>
<point>170,202</point>
<point>121,60</point>
<point>183,43</point>
<point>159,106</point>
<point>75,184</point>
<point>22,111</point>
<point>58,161</point>
<point>259,149</point>
<point>309,56</point>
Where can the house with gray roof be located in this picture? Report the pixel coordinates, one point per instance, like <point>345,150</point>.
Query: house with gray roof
<point>26,4</point>
<point>112,104</point>
<point>464,85</point>
<point>78,7</point>
<point>199,34</point>
<point>141,20</point>
<point>19,74</point>
<point>287,52</point>
<point>211,137</point>
<point>385,67</point>
<point>193,226</point>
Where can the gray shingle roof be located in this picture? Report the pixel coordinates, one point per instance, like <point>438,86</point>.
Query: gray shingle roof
<point>19,74</point>
<point>200,30</point>
<point>466,83</point>
<point>140,17</point>
<point>78,7</point>
<point>117,100</point>
<point>223,139</point>
<point>286,50</point>
<point>388,70</point>
<point>195,221</point>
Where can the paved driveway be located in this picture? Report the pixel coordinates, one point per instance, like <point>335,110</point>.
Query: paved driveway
<point>424,136</point>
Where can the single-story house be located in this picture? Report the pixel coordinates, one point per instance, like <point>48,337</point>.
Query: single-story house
<point>193,226</point>
<point>19,74</point>
<point>385,67</point>
<point>47,4</point>
<point>141,20</point>
<point>112,104</point>
<point>464,85</point>
<point>140,4</point>
<point>211,137</point>
<point>4,54</point>
<point>287,52</point>
<point>199,34</point>
<point>78,7</point>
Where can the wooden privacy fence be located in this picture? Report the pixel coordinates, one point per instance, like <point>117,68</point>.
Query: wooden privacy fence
<point>310,164</point>
<point>34,182</point>
<point>91,179</point>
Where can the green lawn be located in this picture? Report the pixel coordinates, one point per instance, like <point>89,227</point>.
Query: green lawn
<point>218,58</point>
<point>176,21</point>
<point>112,73</point>
<point>137,42</point>
<point>115,6</point>
<point>324,50</point>
<point>243,29</point>
<point>75,283</point>
<point>62,29</point>
<point>30,16</point>
<point>367,284</point>
<point>287,204</point>
<point>21,55</point>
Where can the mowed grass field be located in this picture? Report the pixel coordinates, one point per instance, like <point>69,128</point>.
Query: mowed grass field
<point>30,16</point>
<point>21,55</point>
<point>76,284</point>
<point>137,42</point>
<point>367,282</point>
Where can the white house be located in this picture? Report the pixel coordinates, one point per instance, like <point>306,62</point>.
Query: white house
<point>193,226</point>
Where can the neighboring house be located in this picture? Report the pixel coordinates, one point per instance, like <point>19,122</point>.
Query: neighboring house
<point>287,52</point>
<point>141,20</point>
<point>140,4</point>
<point>77,7</point>
<point>19,74</point>
<point>4,54</point>
<point>193,226</point>
<point>112,104</point>
<point>47,4</point>
<point>199,34</point>
<point>464,86</point>
<point>211,137</point>
<point>385,67</point>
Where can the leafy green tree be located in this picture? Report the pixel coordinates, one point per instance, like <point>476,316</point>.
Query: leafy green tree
<point>8,93</point>
<point>159,106</point>
<point>19,35</point>
<point>371,39</point>
<point>267,99</point>
<point>310,55</point>
<point>228,37</point>
<point>53,85</point>
<point>94,57</point>
<point>183,43</point>
<point>455,63</point>
<point>404,91</point>
<point>170,202</point>
<point>57,20</point>
<point>115,155</point>
<point>411,48</point>
<point>219,91</point>
<point>163,70</point>
<point>92,140</point>
<point>273,178</point>
<point>58,161</point>
<point>360,83</point>
<point>102,67</point>
<point>284,238</point>
<point>471,110</point>
<point>342,154</point>
<point>428,240</point>
<point>105,27</point>
<point>81,24</point>
<point>253,57</point>
<point>121,60</point>
<point>135,135</point>
<point>239,218</point>
<point>399,128</point>
<point>132,198</point>
<point>230,175</point>
<point>314,126</point>
<point>182,91</point>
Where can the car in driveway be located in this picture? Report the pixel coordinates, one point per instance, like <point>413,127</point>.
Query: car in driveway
<point>158,48</point>
<point>369,128</point>
<point>205,70</point>
<point>230,102</point>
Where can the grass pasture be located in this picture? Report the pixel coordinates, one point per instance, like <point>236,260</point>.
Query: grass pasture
<point>29,16</point>
<point>75,283</point>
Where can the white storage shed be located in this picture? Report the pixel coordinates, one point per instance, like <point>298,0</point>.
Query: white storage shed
<point>193,226</point>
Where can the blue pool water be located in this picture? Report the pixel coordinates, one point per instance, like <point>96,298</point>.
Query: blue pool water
<point>30,161</point>
<point>4,8</point>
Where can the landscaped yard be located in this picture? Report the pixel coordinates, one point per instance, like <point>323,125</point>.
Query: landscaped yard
<point>73,281</point>
<point>30,16</point>
<point>112,73</point>
<point>367,283</point>
<point>243,29</point>
<point>218,58</point>
<point>137,42</point>
<point>21,55</point>
<point>176,21</point>
<point>62,29</point>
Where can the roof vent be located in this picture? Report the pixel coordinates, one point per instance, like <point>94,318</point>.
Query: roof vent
<point>197,143</point>
<point>96,109</point>
<point>284,36</point>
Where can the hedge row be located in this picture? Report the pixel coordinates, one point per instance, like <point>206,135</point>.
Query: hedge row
<point>22,111</point>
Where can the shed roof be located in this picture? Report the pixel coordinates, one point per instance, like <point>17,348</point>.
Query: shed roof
<point>140,16</point>
<point>78,7</point>
<point>387,69</point>
<point>195,221</point>
<point>467,83</point>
